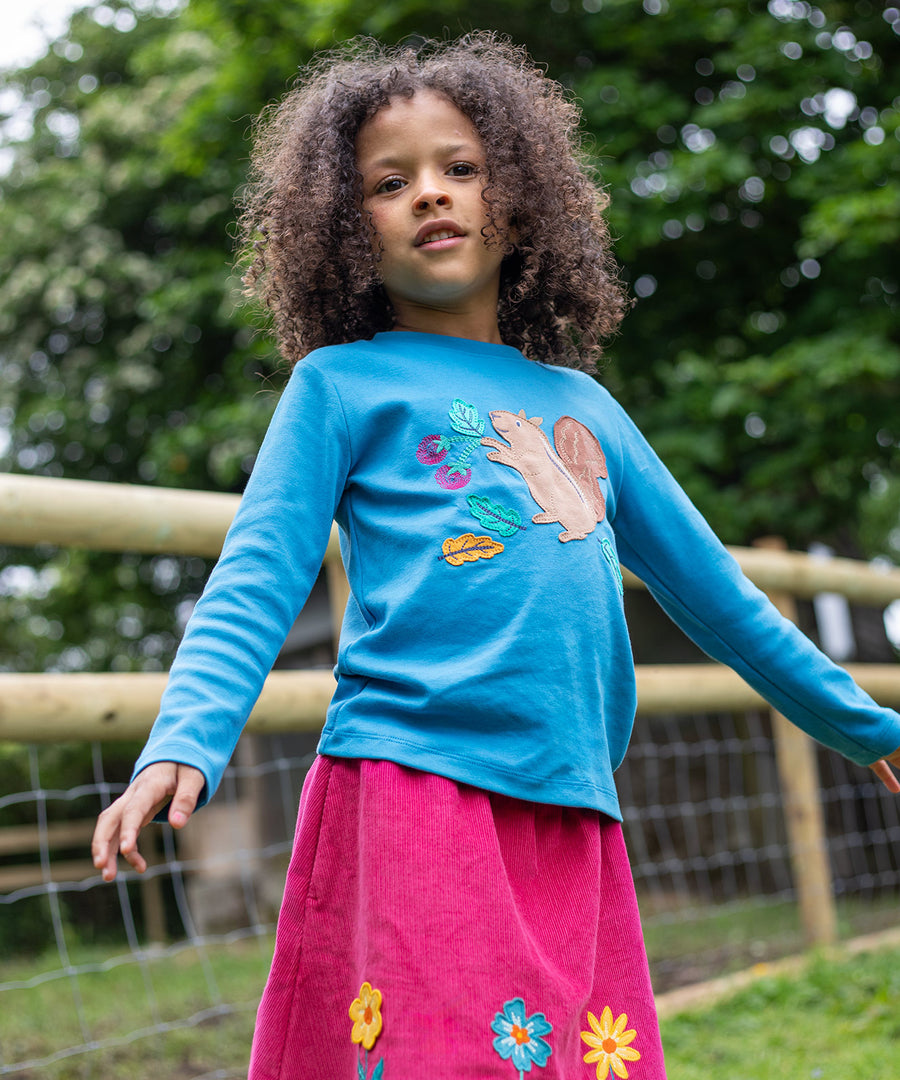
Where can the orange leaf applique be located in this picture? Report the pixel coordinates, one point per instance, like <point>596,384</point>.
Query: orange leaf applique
<point>469,548</point>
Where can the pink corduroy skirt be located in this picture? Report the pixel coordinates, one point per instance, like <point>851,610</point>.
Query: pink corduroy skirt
<point>434,930</point>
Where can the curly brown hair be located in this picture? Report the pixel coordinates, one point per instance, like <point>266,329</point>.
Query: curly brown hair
<point>306,246</point>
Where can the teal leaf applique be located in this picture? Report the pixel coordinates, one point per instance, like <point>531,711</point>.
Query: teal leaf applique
<point>378,1071</point>
<point>495,517</point>
<point>464,418</point>
<point>610,556</point>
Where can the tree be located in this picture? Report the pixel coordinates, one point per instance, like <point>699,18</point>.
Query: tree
<point>754,160</point>
<point>751,154</point>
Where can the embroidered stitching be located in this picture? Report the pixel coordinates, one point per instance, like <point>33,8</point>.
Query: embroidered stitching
<point>519,1036</point>
<point>455,476</point>
<point>432,450</point>
<point>610,1044</point>
<point>365,1012</point>
<point>469,548</point>
<point>495,517</point>
<point>613,561</point>
<point>561,477</point>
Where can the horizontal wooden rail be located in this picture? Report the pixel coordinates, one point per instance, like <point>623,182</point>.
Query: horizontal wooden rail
<point>77,706</point>
<point>14,839</point>
<point>55,836</point>
<point>58,707</point>
<point>149,520</point>
<point>116,517</point>
<point>27,875</point>
<point>697,688</point>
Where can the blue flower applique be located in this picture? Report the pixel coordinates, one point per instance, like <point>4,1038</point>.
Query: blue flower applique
<point>519,1036</point>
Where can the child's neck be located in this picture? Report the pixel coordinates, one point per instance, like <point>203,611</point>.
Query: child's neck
<point>475,325</point>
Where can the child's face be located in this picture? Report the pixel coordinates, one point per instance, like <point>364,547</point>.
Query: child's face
<point>423,168</point>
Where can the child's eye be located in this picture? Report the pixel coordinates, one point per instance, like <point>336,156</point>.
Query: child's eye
<point>387,187</point>
<point>462,168</point>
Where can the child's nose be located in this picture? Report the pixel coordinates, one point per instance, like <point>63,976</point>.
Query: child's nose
<point>432,197</point>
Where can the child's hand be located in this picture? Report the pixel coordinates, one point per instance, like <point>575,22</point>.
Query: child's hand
<point>885,773</point>
<point>120,823</point>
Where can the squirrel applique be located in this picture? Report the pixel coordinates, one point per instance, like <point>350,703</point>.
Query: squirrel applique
<point>562,477</point>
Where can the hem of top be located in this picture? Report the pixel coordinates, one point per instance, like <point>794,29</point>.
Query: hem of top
<point>474,772</point>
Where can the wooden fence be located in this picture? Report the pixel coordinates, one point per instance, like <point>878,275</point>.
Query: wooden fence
<point>120,517</point>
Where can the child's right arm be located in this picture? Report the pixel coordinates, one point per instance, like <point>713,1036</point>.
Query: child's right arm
<point>120,823</point>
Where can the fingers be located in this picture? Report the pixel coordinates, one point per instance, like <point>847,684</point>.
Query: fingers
<point>104,847</point>
<point>119,825</point>
<point>886,775</point>
<point>189,785</point>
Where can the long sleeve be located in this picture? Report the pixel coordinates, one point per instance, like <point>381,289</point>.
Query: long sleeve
<point>663,539</point>
<point>484,640</point>
<point>269,562</point>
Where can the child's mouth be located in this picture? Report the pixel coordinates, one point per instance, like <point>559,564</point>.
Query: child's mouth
<point>438,234</point>
<point>442,240</point>
<point>434,238</point>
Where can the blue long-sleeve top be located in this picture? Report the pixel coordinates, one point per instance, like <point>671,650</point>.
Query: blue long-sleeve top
<point>484,502</point>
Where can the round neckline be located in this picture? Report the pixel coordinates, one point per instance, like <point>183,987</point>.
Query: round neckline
<point>455,344</point>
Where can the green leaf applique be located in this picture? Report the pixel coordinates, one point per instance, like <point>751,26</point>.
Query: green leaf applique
<point>464,418</point>
<point>495,517</point>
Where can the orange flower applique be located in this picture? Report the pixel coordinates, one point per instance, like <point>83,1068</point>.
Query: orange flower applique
<point>610,1044</point>
<point>365,1012</point>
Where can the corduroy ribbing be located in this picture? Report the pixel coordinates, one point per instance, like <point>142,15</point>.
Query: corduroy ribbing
<point>452,902</point>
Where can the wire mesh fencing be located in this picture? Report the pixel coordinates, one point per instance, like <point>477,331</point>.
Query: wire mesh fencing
<point>160,974</point>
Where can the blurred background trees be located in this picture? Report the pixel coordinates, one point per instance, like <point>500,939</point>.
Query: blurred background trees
<point>752,154</point>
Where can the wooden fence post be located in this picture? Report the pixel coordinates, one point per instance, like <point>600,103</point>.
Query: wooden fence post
<point>798,774</point>
<point>152,894</point>
<point>338,595</point>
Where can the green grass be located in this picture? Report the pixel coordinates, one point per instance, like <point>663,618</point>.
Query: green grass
<point>37,1021</point>
<point>715,941</point>
<point>838,1020</point>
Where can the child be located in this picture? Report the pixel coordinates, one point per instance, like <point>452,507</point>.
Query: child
<point>459,902</point>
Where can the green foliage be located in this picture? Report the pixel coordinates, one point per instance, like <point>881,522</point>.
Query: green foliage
<point>751,154</point>
<point>836,1020</point>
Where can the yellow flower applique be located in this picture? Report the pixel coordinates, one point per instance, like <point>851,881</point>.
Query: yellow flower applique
<point>365,1012</point>
<point>610,1044</point>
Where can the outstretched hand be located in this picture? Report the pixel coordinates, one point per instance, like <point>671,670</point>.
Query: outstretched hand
<point>119,825</point>
<point>885,773</point>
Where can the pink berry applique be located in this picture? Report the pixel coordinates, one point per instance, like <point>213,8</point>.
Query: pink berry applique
<point>452,481</point>
<point>468,427</point>
<point>432,449</point>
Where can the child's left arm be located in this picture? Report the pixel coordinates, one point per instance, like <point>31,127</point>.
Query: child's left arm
<point>663,539</point>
